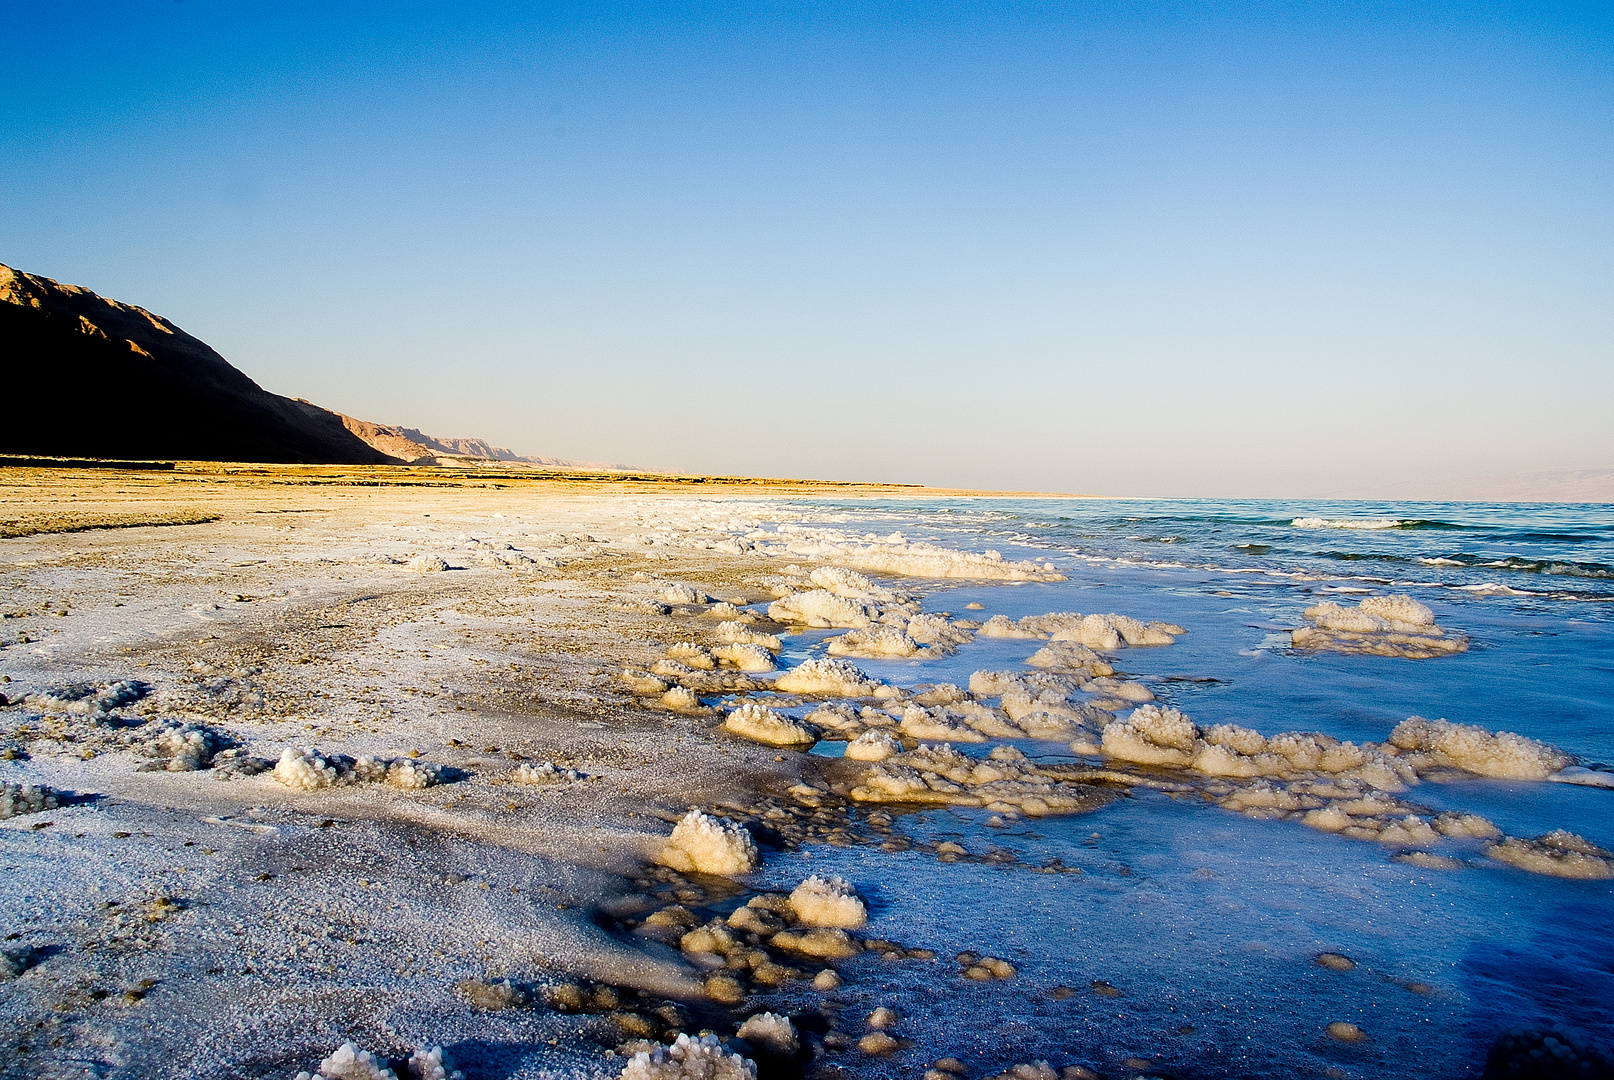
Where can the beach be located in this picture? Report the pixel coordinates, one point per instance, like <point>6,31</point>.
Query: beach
<point>393,757</point>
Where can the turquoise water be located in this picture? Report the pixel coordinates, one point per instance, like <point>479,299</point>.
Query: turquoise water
<point>1209,921</point>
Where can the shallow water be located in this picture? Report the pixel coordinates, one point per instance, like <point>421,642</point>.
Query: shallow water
<point>1208,922</point>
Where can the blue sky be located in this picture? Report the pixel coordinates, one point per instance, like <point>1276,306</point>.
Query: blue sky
<point>1281,249</point>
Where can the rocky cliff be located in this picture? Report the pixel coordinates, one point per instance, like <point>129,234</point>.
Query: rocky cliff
<point>92,377</point>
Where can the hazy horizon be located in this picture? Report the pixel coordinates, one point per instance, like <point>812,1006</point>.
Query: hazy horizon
<point>1297,250</point>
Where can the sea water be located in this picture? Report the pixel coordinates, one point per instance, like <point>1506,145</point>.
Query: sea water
<point>1187,945</point>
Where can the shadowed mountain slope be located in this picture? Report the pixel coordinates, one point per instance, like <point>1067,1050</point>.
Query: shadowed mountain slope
<point>91,377</point>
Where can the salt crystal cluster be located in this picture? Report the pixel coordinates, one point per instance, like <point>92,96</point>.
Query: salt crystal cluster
<point>690,1058</point>
<point>307,769</point>
<point>709,845</point>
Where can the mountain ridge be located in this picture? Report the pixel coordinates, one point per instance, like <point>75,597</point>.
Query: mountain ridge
<point>108,379</point>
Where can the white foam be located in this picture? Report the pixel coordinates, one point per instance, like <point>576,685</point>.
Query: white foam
<point>1346,523</point>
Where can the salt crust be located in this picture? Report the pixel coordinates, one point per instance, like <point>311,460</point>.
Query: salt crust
<point>771,1034</point>
<point>351,1063</point>
<point>1473,749</point>
<point>873,746</point>
<point>832,677</point>
<point>1006,780</point>
<point>1343,788</point>
<point>545,772</point>
<point>17,799</point>
<point>738,634</point>
<point>1093,631</point>
<point>307,769</point>
<point>764,725</point>
<point>88,699</point>
<point>1558,854</point>
<point>828,901</point>
<point>1380,626</point>
<point>704,844</point>
<point>690,1058</point>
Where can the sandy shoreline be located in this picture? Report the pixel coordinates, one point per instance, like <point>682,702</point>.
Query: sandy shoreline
<point>177,923</point>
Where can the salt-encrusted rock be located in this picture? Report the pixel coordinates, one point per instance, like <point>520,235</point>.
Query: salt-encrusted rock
<point>709,845</point>
<point>1557,854</point>
<point>644,683</point>
<point>681,699</point>
<point>88,699</point>
<point>544,772</point>
<point>852,585</point>
<point>738,634</point>
<point>1380,626</point>
<point>744,657</point>
<point>349,1062</point>
<point>826,943</point>
<point>832,677</point>
<point>18,799</point>
<point>828,901</point>
<point>822,608</point>
<point>307,769</point>
<point>426,564</point>
<point>693,656</point>
<point>873,746</point>
<point>1476,750</point>
<point>180,746</point>
<point>771,1034</point>
<point>762,724</point>
<point>684,594</point>
<point>690,1058</point>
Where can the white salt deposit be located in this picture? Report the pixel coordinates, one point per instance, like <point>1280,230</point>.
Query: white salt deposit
<point>771,1034</point>
<point>877,642</point>
<point>426,564</point>
<point>764,725</point>
<point>16,799</point>
<point>349,1062</point>
<point>852,585</point>
<point>822,608</point>
<point>690,1058</point>
<point>681,699</point>
<point>544,772</point>
<point>743,657</point>
<point>709,845</point>
<point>307,769</point>
<point>873,746</point>
<point>739,634</point>
<point>1380,626</point>
<point>1557,854</point>
<point>683,594</point>
<point>691,655</point>
<point>179,746</point>
<point>88,699</point>
<point>828,901</point>
<point>832,677</point>
<point>1428,743</point>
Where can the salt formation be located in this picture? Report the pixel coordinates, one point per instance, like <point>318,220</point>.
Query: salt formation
<point>17,799</point>
<point>744,657</point>
<point>308,769</point>
<point>88,699</point>
<point>831,678</point>
<point>1429,743</point>
<point>873,746</point>
<point>701,1058</point>
<point>178,746</point>
<point>738,634</point>
<point>852,585</point>
<point>426,564</point>
<point>546,772</point>
<point>831,901</point>
<point>1557,854</point>
<point>683,594</point>
<point>351,1063</point>
<point>1093,631</point>
<point>708,845</point>
<point>764,725</point>
<point>681,699</point>
<point>1379,626</point>
<point>1006,780</point>
<point>771,1034</point>
<point>822,608</point>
